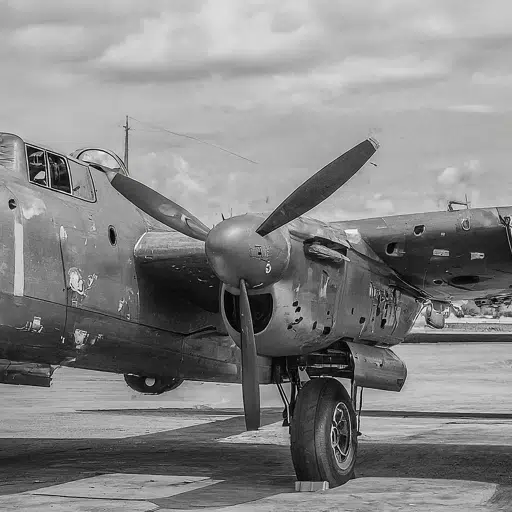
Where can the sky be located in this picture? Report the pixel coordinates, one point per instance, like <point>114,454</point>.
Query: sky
<point>289,84</point>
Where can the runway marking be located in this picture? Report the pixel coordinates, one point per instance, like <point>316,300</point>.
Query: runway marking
<point>127,486</point>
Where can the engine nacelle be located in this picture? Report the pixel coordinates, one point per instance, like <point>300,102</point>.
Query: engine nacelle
<point>152,385</point>
<point>327,293</point>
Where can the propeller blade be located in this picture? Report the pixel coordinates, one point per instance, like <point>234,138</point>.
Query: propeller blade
<point>250,380</point>
<point>320,186</point>
<point>158,206</point>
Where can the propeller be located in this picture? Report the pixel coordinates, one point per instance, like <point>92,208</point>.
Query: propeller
<point>320,186</point>
<point>247,251</point>
<point>250,381</point>
<point>158,206</point>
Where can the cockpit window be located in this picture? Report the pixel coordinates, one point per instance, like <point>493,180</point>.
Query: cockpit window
<point>37,166</point>
<point>82,181</point>
<point>59,173</point>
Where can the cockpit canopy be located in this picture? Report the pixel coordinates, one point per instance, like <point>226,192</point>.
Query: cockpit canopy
<point>13,157</point>
<point>103,157</point>
<point>53,170</point>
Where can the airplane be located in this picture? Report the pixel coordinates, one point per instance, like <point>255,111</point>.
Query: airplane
<point>99,271</point>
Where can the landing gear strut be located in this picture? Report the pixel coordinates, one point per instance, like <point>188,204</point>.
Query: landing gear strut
<point>324,433</point>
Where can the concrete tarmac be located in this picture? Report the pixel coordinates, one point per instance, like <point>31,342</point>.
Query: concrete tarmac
<point>89,443</point>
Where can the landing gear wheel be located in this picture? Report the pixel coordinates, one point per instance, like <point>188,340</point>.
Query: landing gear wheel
<point>324,433</point>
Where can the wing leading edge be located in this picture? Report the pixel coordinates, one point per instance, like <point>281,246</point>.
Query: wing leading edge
<point>180,261</point>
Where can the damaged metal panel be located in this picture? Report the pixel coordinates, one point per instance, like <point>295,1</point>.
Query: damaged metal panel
<point>25,374</point>
<point>377,368</point>
<point>304,228</point>
<point>451,255</point>
<point>12,153</point>
<point>97,241</point>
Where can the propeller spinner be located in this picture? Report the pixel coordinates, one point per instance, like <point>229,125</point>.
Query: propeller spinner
<point>245,252</point>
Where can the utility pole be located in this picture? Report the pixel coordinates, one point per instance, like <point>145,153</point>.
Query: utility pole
<point>126,130</point>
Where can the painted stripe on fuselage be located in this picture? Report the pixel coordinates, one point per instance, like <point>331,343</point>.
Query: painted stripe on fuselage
<point>19,263</point>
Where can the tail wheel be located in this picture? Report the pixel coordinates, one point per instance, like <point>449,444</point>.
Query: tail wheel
<point>324,433</point>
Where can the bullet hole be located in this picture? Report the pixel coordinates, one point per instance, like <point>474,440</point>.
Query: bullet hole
<point>383,323</point>
<point>295,303</point>
<point>297,310</point>
<point>112,235</point>
<point>419,229</point>
<point>326,330</point>
<point>362,320</point>
<point>352,310</point>
<point>328,313</point>
<point>299,320</point>
<point>314,325</point>
<point>465,280</point>
<point>438,281</point>
<point>12,204</point>
<point>290,326</point>
<point>390,248</point>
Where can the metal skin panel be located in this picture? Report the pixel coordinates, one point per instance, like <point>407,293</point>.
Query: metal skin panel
<point>181,262</point>
<point>316,304</point>
<point>377,368</point>
<point>452,247</point>
<point>119,317</point>
<point>33,311</point>
<point>12,154</point>
<point>304,307</point>
<point>100,276</point>
<point>25,374</point>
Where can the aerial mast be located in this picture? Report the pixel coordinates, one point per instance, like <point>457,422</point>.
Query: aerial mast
<point>127,128</point>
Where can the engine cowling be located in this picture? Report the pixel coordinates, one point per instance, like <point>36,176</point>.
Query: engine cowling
<point>152,385</point>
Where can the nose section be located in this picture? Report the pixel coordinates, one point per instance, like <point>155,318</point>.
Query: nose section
<point>235,251</point>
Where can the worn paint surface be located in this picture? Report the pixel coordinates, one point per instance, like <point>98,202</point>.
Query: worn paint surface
<point>101,285</point>
<point>455,255</point>
<point>71,293</point>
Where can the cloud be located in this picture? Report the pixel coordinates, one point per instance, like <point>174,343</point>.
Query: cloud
<point>455,183</point>
<point>379,205</point>
<point>475,108</point>
<point>88,13</point>
<point>228,39</point>
<point>51,39</point>
<point>290,84</point>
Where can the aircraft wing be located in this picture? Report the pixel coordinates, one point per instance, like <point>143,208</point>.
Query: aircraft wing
<point>179,261</point>
<point>328,241</point>
<point>448,255</point>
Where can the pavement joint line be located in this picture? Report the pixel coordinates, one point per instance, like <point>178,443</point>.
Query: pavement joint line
<point>33,493</point>
<point>442,378</point>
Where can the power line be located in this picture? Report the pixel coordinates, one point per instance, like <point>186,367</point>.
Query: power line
<point>159,128</point>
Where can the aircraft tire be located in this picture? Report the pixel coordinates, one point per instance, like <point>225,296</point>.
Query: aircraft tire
<point>158,386</point>
<point>324,433</point>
